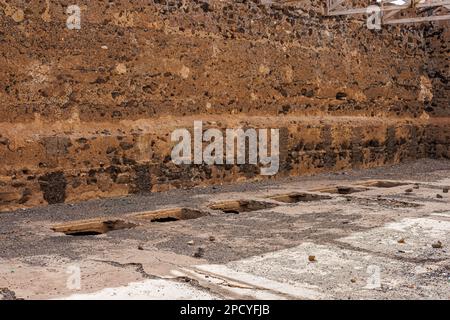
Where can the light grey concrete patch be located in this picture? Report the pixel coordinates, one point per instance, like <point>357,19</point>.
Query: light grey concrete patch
<point>411,238</point>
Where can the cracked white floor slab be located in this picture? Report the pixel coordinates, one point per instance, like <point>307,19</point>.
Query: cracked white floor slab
<point>247,285</point>
<point>157,289</point>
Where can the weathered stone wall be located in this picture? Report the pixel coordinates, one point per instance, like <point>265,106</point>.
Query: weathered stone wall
<point>437,39</point>
<point>221,58</point>
<point>88,113</point>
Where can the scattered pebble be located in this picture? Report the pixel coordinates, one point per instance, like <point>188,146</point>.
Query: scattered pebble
<point>199,253</point>
<point>191,243</point>
<point>140,248</point>
<point>409,190</point>
<point>212,238</point>
<point>439,196</point>
<point>4,141</point>
<point>312,258</point>
<point>121,68</point>
<point>402,240</point>
<point>445,190</point>
<point>344,189</point>
<point>437,245</point>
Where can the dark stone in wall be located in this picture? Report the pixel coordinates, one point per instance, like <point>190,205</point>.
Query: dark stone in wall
<point>391,144</point>
<point>356,153</point>
<point>327,140</point>
<point>437,45</point>
<point>53,186</point>
<point>413,144</point>
<point>142,180</point>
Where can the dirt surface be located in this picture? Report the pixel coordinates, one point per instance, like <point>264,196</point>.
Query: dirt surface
<point>402,229</point>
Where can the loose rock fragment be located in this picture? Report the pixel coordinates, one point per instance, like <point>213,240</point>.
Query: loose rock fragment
<point>199,253</point>
<point>4,141</point>
<point>437,245</point>
<point>344,189</point>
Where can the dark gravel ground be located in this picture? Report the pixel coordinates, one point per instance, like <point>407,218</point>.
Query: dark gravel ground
<point>237,236</point>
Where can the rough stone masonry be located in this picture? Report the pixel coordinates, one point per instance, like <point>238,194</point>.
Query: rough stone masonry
<point>88,113</point>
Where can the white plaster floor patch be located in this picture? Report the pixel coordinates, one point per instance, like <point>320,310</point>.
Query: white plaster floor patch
<point>148,290</point>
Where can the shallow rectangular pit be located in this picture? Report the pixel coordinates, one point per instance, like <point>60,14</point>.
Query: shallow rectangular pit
<point>170,215</point>
<point>239,206</point>
<point>92,227</point>
<point>384,184</point>
<point>342,190</point>
<point>296,197</point>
